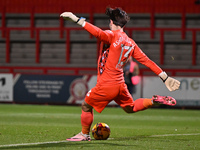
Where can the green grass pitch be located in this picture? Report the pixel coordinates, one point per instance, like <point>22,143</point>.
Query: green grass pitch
<point>41,127</point>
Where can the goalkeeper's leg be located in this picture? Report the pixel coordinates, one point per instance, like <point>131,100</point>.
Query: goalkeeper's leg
<point>139,105</point>
<point>86,117</point>
<point>86,122</point>
<point>144,103</point>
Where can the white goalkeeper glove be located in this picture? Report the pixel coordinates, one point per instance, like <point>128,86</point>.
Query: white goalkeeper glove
<point>171,83</point>
<point>74,18</point>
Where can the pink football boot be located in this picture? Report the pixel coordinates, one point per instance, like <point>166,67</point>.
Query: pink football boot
<point>80,137</point>
<point>166,100</point>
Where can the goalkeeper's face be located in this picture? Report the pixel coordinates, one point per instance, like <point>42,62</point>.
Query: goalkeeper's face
<point>111,24</point>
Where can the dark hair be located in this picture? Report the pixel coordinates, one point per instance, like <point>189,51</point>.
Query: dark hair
<point>118,16</point>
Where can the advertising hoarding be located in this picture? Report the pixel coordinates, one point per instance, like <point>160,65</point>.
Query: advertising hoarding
<point>6,87</point>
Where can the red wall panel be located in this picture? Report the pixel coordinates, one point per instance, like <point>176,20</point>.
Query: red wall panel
<point>98,6</point>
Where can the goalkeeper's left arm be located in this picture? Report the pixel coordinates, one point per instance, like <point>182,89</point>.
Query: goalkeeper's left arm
<point>171,83</point>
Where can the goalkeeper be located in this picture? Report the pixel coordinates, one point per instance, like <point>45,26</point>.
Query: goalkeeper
<point>116,48</point>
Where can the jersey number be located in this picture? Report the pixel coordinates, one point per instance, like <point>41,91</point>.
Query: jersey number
<point>125,52</point>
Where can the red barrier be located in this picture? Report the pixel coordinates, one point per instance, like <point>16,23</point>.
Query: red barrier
<point>32,20</point>
<point>3,22</point>
<point>7,46</point>
<point>183,23</point>
<point>84,71</point>
<point>194,47</point>
<point>68,46</point>
<point>162,47</point>
<point>37,51</point>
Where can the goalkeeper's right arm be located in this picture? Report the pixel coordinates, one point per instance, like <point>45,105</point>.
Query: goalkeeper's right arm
<point>105,36</point>
<point>74,18</point>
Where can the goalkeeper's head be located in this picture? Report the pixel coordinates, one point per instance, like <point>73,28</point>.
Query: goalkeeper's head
<point>118,16</point>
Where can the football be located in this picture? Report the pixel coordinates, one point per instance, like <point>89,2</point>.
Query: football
<point>101,131</point>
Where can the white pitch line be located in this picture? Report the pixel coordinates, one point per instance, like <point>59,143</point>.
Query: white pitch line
<point>55,142</point>
<point>29,144</point>
<point>174,134</point>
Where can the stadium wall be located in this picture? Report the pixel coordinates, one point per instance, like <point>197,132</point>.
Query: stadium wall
<point>131,6</point>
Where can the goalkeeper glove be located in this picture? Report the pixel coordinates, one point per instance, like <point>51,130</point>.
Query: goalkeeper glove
<point>171,83</point>
<point>74,18</point>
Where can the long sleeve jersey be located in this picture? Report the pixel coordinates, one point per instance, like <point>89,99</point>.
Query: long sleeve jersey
<point>117,47</point>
